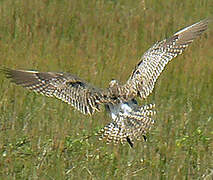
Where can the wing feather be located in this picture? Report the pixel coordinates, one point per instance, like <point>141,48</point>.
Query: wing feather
<point>66,87</point>
<point>153,62</point>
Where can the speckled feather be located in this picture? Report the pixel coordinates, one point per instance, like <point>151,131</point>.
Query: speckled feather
<point>128,124</point>
<point>152,63</point>
<point>131,126</point>
<point>63,86</point>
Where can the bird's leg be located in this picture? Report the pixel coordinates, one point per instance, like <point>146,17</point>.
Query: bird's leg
<point>129,141</point>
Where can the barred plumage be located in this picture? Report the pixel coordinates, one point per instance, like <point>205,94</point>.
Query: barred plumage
<point>63,86</point>
<point>130,121</point>
<point>129,126</point>
<point>153,62</point>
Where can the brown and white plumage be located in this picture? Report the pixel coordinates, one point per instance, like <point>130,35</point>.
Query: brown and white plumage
<point>152,63</point>
<point>130,121</point>
<point>63,86</point>
<point>130,124</point>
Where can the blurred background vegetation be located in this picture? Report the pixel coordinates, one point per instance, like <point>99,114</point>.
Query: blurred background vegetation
<point>98,40</point>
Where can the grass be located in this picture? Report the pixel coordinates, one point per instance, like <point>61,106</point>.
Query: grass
<point>43,138</point>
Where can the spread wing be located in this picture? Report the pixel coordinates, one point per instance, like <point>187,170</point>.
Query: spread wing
<point>152,63</point>
<point>63,86</point>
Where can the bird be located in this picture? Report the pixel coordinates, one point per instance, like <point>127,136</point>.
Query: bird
<point>130,121</point>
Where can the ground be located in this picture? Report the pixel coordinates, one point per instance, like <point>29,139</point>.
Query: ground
<point>100,40</point>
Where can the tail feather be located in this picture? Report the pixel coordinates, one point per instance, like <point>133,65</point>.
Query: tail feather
<point>129,127</point>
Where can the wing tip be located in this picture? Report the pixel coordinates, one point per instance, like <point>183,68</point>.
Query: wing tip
<point>7,72</point>
<point>200,27</point>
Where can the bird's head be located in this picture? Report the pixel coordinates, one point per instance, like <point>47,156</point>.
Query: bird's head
<point>114,88</point>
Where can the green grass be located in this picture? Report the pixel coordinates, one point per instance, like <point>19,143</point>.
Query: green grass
<point>98,40</point>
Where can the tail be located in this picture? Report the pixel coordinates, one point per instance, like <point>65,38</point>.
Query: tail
<point>128,128</point>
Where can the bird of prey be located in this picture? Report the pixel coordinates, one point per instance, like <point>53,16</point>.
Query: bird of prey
<point>130,121</point>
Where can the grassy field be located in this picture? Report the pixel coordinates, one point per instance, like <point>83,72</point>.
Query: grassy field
<point>98,40</point>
